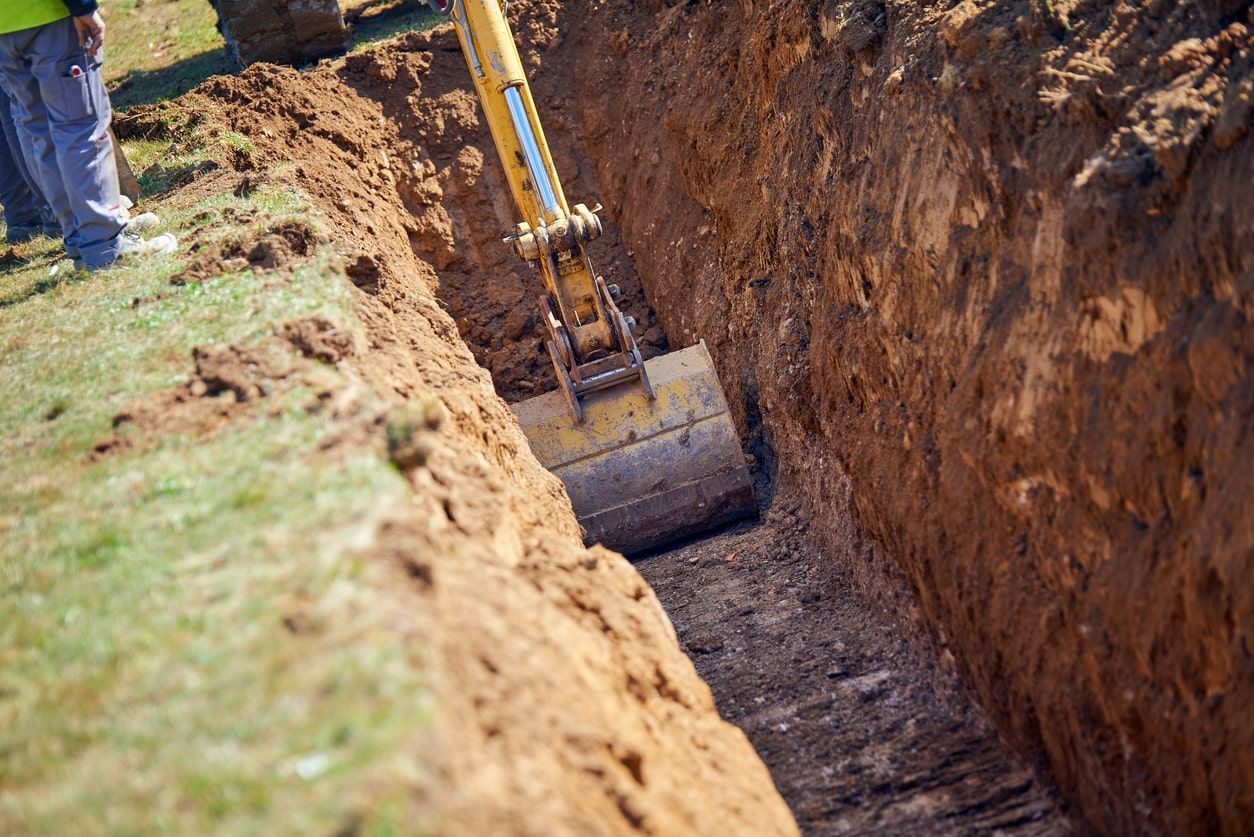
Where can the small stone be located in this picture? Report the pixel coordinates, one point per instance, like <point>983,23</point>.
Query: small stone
<point>434,413</point>
<point>312,766</point>
<point>895,79</point>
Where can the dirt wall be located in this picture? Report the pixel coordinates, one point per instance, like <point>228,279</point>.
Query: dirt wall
<point>563,704</point>
<point>981,274</point>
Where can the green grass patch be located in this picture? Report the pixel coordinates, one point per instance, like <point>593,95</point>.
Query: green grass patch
<point>190,637</point>
<point>159,49</point>
<point>191,640</point>
<point>377,20</point>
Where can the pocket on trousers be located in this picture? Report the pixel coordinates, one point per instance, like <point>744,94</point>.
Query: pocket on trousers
<point>72,98</point>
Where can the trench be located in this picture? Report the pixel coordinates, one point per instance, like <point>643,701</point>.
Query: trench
<point>863,727</point>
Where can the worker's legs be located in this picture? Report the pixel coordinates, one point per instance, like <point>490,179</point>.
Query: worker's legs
<point>62,115</point>
<point>31,119</point>
<point>26,213</point>
<point>21,207</point>
<point>9,139</point>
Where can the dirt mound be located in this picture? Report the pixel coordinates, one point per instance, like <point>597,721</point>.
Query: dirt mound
<point>319,338</point>
<point>564,704</point>
<point>434,173</point>
<point>226,380</point>
<point>284,245</point>
<point>981,276</point>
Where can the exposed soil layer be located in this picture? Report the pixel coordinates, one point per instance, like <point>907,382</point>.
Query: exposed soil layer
<point>978,277</point>
<point>864,732</point>
<point>460,205</point>
<point>993,337</point>
<point>563,702</point>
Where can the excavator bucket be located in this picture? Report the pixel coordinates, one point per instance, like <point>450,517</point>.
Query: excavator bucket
<point>642,473</point>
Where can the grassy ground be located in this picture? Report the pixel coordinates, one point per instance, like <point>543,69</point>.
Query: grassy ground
<point>147,679</point>
<point>159,49</point>
<point>150,677</point>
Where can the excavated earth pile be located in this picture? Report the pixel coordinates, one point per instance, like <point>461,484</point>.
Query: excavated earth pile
<point>563,703</point>
<point>978,280</point>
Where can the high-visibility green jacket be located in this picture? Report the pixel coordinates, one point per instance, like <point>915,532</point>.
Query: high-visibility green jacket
<point>16,15</point>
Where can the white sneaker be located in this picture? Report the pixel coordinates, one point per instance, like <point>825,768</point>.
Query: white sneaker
<point>132,246</point>
<point>144,222</point>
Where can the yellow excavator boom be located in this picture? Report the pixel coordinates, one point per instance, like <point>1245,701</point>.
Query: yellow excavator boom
<point>648,451</point>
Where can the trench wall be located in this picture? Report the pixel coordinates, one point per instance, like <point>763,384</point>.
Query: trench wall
<point>979,278</point>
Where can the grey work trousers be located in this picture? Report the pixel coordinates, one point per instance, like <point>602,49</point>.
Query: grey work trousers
<point>62,114</point>
<point>20,195</point>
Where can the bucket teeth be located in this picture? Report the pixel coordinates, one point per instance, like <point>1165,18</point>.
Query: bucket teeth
<point>642,473</point>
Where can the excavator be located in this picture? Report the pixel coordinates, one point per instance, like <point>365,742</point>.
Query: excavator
<point>647,450</point>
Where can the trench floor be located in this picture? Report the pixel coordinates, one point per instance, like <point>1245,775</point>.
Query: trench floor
<point>862,732</point>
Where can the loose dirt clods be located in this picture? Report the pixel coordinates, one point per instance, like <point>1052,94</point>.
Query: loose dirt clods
<point>226,382</point>
<point>319,338</point>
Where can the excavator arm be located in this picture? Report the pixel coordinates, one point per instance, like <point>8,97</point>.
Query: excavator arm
<point>648,452</point>
<point>590,341</point>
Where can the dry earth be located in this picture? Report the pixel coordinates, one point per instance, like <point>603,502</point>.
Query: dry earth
<point>865,731</point>
<point>563,703</point>
<point>977,280</point>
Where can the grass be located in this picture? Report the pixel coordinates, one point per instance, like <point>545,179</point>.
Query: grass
<point>150,675</point>
<point>160,49</point>
<point>191,638</point>
<point>380,19</point>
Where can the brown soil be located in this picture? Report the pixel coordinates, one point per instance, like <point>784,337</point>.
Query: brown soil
<point>864,731</point>
<point>455,204</point>
<point>564,703</point>
<point>227,380</point>
<point>978,278</point>
<point>988,340</point>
